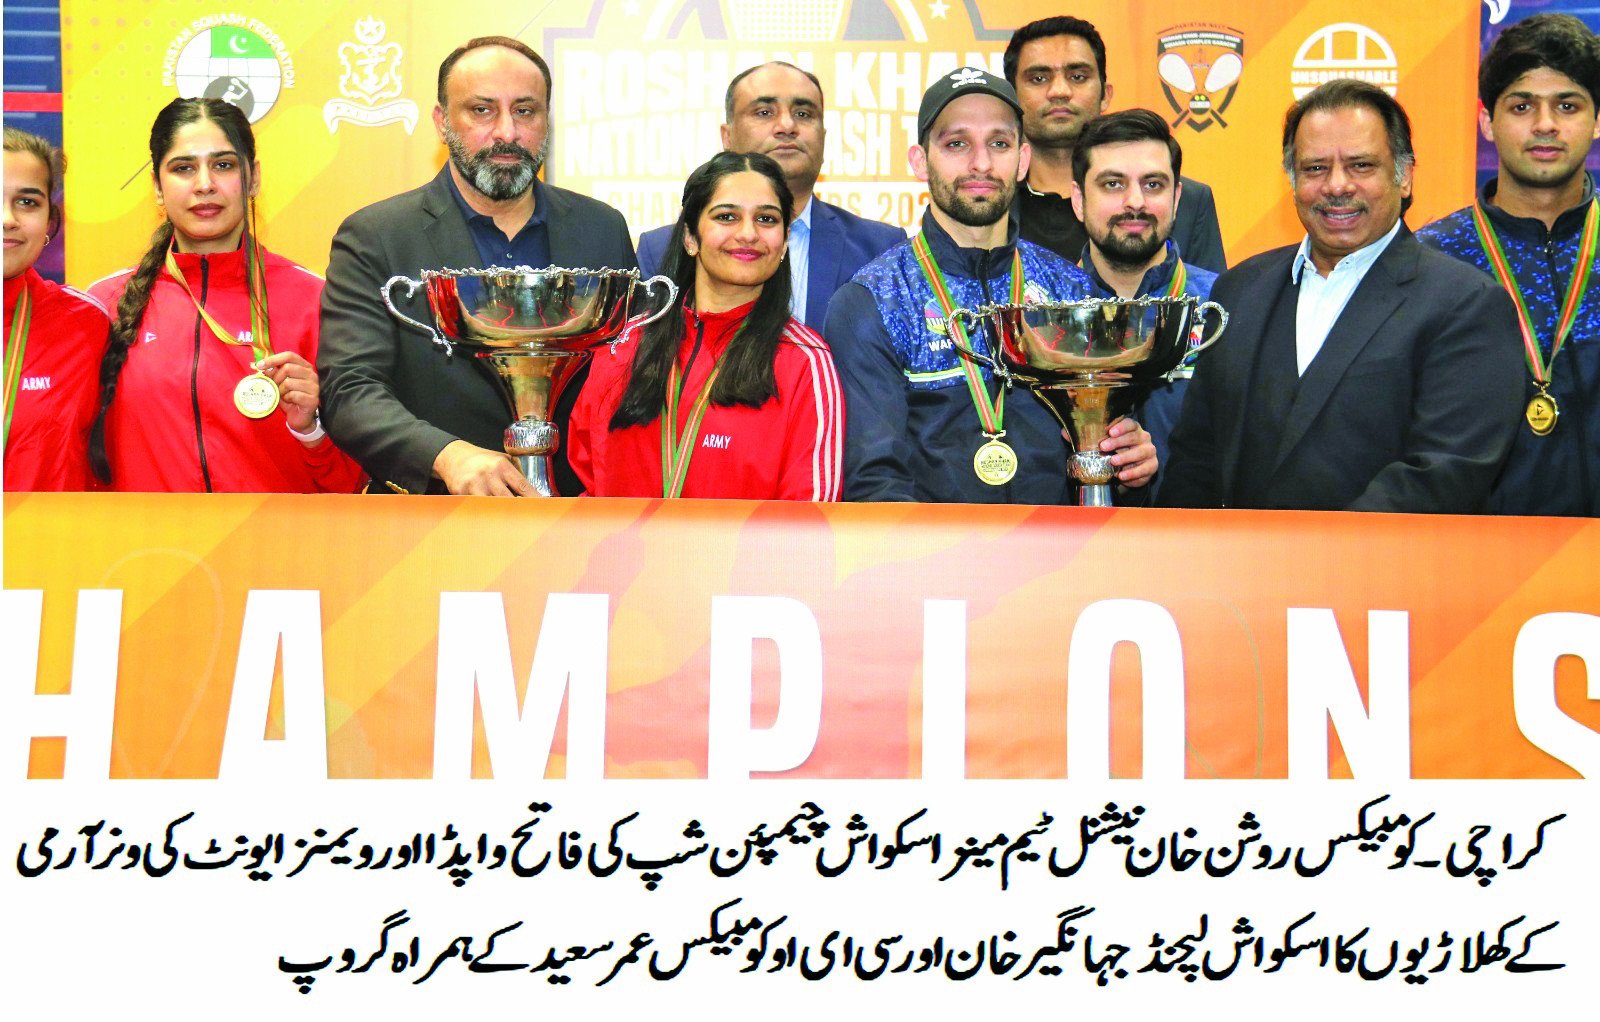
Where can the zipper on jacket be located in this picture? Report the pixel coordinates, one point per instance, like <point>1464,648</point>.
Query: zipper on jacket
<point>194,377</point>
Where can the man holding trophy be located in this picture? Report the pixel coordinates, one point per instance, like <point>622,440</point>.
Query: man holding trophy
<point>415,420</point>
<point>1126,191</point>
<point>927,423</point>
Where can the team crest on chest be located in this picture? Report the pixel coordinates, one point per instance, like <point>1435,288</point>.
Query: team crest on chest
<point>934,317</point>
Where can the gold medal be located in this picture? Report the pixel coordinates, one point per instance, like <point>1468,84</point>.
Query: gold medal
<point>1542,413</point>
<point>995,463</point>
<point>256,396</point>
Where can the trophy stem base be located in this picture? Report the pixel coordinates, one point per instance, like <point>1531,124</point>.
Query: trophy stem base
<point>1096,495</point>
<point>531,442</point>
<point>537,468</point>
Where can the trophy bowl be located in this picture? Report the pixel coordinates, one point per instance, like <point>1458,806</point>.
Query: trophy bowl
<point>534,328</point>
<point>1073,355</point>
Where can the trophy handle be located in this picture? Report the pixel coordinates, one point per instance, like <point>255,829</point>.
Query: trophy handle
<point>1222,324</point>
<point>969,320</point>
<point>411,289</point>
<point>669,289</point>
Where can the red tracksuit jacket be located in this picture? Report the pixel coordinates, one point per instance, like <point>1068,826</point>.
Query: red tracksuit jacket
<point>48,448</point>
<point>791,448</point>
<point>173,426</point>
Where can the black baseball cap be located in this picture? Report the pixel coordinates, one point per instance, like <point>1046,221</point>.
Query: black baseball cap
<point>962,82</point>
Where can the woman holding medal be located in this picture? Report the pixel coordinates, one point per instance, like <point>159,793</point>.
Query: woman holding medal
<point>732,398</point>
<point>209,381</point>
<point>54,335</point>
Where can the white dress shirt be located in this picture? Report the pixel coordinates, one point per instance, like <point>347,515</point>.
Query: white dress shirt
<point>1322,299</point>
<point>800,261</point>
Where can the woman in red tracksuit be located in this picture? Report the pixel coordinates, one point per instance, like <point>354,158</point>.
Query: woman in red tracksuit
<point>729,397</point>
<point>209,381</point>
<point>55,336</point>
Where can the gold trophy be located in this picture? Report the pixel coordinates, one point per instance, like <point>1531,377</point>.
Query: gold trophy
<point>534,328</point>
<point>1074,355</point>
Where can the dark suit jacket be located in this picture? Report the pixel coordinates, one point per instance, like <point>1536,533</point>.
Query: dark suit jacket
<point>841,243</point>
<point>1410,405</point>
<point>390,399</point>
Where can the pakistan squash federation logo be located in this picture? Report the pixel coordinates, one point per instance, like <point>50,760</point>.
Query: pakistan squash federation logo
<point>233,58</point>
<point>1199,67</point>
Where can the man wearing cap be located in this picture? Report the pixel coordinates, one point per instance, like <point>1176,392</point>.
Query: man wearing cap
<point>1058,67</point>
<point>776,109</point>
<point>926,424</point>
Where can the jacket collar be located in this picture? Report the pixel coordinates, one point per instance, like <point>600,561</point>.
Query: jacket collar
<point>28,279</point>
<point>1524,228</point>
<point>1156,278</point>
<point>972,263</point>
<point>219,267</point>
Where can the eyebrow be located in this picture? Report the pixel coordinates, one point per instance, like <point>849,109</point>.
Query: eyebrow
<point>200,156</point>
<point>736,207</point>
<point>1525,94</point>
<point>493,99</point>
<point>796,101</point>
<point>1330,157</point>
<point>1081,65</point>
<point>30,190</point>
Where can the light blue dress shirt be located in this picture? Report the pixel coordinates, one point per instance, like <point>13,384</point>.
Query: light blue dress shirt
<point>800,261</point>
<point>1322,299</point>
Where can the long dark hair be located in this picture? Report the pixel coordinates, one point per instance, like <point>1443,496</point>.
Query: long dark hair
<point>136,296</point>
<point>746,377</point>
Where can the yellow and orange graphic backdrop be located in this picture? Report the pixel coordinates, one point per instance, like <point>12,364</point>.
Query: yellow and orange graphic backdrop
<point>185,566</point>
<point>341,95</point>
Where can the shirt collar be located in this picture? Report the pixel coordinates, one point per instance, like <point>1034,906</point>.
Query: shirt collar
<point>1570,222</point>
<point>804,216</point>
<point>470,215</point>
<point>1357,262</point>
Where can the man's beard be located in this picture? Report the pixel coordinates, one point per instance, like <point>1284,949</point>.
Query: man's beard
<point>495,181</point>
<point>1130,253</point>
<point>973,213</point>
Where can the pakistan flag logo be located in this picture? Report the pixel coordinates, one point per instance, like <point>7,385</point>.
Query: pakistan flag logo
<point>232,64</point>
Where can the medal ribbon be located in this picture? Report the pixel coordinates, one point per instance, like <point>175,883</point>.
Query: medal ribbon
<point>16,345</point>
<point>676,452</point>
<point>991,414</point>
<point>255,271</point>
<point>1180,277</point>
<point>1537,364</point>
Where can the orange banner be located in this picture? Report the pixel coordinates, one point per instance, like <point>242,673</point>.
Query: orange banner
<point>692,639</point>
<point>341,95</point>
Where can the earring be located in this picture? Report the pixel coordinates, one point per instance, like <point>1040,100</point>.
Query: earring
<point>47,241</point>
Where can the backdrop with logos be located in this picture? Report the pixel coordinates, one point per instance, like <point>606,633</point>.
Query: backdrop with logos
<point>341,95</point>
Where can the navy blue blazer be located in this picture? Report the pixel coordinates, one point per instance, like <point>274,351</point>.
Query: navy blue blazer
<point>841,243</point>
<point>1410,405</point>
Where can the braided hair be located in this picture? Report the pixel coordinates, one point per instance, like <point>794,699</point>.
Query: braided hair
<point>136,295</point>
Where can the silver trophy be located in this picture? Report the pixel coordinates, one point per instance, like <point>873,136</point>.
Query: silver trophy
<point>1074,354</point>
<point>534,328</point>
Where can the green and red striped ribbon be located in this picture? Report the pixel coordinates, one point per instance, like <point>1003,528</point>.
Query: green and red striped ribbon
<point>677,451</point>
<point>16,346</point>
<point>991,414</point>
<point>1537,364</point>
